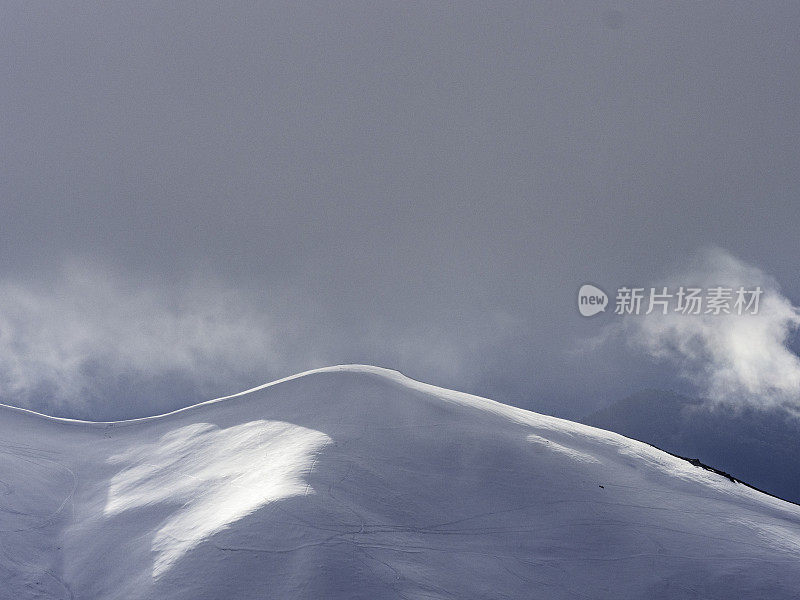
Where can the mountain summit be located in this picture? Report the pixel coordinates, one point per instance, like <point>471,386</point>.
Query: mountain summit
<point>357,482</point>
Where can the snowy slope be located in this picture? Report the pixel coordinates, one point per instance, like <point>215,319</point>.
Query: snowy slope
<point>758,445</point>
<point>356,482</point>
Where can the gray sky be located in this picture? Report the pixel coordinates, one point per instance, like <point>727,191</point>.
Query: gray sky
<point>420,186</point>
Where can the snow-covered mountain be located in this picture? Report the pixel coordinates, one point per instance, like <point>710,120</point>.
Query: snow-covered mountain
<point>759,446</point>
<point>357,482</point>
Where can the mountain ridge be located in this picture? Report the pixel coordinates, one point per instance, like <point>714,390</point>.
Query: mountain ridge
<point>756,446</point>
<point>358,482</point>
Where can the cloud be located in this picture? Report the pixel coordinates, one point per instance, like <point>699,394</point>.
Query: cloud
<point>90,336</point>
<point>97,344</point>
<point>731,359</point>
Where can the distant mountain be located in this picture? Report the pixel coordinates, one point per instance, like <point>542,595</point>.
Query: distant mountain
<point>761,447</point>
<point>358,483</point>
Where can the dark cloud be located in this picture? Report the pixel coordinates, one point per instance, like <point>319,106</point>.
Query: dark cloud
<point>427,185</point>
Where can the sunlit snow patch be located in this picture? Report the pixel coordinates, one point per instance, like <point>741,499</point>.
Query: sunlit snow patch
<point>218,476</point>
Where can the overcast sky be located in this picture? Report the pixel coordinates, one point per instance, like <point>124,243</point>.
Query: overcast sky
<point>198,198</point>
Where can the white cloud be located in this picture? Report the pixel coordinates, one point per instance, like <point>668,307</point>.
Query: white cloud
<point>96,344</point>
<point>90,328</point>
<point>730,358</point>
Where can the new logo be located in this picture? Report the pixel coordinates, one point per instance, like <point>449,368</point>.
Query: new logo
<point>591,300</point>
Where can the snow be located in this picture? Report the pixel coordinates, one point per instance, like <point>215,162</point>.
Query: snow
<point>357,482</point>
